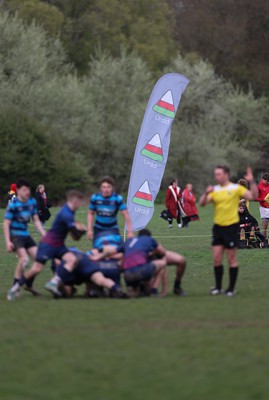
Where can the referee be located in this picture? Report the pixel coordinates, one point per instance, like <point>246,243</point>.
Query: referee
<point>225,197</point>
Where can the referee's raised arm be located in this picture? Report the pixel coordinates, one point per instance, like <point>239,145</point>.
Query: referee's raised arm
<point>251,194</point>
<point>205,198</point>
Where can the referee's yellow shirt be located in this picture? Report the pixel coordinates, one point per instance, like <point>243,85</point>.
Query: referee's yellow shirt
<point>226,200</point>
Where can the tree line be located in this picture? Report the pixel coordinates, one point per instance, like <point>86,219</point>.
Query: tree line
<point>65,127</point>
<point>232,35</point>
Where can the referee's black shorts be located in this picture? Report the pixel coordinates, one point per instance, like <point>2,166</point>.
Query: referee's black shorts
<point>226,236</point>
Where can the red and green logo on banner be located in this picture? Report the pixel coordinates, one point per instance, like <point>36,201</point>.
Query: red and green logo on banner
<point>143,197</point>
<point>165,105</point>
<point>153,149</point>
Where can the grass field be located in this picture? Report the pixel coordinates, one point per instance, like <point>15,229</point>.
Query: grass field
<point>198,347</point>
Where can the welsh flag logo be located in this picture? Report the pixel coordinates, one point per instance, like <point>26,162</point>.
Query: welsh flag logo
<point>165,105</point>
<point>143,197</point>
<point>153,149</point>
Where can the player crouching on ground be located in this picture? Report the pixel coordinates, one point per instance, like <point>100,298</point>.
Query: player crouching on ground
<point>138,267</point>
<point>110,266</point>
<point>85,271</point>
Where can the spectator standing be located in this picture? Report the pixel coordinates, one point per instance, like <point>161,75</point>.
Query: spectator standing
<point>263,199</point>
<point>12,193</point>
<point>42,204</point>
<point>189,205</point>
<point>172,202</point>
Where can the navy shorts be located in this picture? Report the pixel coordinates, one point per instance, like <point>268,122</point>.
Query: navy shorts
<point>47,252</point>
<point>134,276</point>
<point>85,267</point>
<point>110,270</point>
<point>22,242</point>
<point>74,279</point>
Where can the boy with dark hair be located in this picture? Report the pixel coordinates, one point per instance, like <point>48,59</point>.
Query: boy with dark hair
<point>17,217</point>
<point>52,245</point>
<point>106,205</point>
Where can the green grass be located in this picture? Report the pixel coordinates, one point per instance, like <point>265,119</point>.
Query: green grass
<point>198,347</point>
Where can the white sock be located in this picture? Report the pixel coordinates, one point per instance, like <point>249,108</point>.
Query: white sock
<point>56,279</point>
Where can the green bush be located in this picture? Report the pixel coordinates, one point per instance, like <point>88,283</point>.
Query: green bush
<point>28,150</point>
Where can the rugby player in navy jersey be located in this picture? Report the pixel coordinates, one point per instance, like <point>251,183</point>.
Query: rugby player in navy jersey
<point>110,266</point>
<point>106,205</point>
<point>143,261</point>
<point>52,245</point>
<point>85,271</point>
<point>17,217</point>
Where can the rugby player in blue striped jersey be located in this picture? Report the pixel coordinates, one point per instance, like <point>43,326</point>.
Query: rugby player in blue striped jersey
<point>106,204</point>
<point>17,217</point>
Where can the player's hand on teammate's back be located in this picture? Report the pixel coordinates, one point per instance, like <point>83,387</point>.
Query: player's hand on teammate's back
<point>130,235</point>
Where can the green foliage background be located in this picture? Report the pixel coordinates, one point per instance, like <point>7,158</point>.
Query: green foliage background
<point>75,78</point>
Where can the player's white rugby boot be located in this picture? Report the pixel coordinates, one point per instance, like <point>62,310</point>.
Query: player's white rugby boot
<point>13,293</point>
<point>215,291</point>
<point>230,293</point>
<point>53,288</point>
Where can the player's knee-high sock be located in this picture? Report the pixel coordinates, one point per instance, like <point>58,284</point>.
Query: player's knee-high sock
<point>233,278</point>
<point>21,281</point>
<point>177,283</point>
<point>62,275</point>
<point>29,282</point>
<point>218,270</point>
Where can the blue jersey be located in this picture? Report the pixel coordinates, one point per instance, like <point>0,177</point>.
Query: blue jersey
<point>63,222</point>
<point>20,214</point>
<point>105,238</point>
<point>137,251</point>
<point>106,209</point>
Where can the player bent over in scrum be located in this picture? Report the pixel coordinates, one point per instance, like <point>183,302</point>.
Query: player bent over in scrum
<point>17,217</point>
<point>110,266</point>
<point>86,271</point>
<point>52,244</point>
<point>138,266</point>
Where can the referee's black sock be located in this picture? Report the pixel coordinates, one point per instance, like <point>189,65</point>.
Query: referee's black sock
<point>233,278</point>
<point>218,270</point>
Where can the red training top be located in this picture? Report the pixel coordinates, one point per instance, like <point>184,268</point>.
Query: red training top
<point>173,195</point>
<point>189,203</point>
<point>263,192</point>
